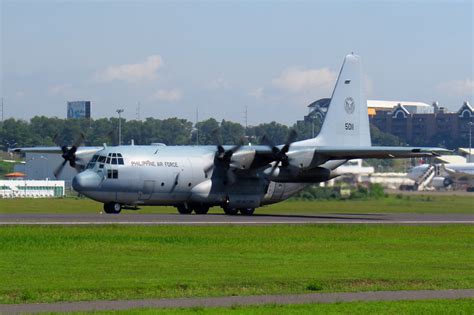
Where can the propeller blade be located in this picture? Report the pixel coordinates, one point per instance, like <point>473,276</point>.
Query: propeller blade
<point>59,169</point>
<point>267,141</point>
<point>231,177</point>
<point>79,141</point>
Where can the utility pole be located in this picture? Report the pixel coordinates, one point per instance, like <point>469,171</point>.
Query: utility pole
<point>197,128</point>
<point>119,112</point>
<point>246,118</point>
<point>138,111</point>
<point>246,124</point>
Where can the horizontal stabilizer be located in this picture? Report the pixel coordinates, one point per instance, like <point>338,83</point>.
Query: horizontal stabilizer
<point>374,152</point>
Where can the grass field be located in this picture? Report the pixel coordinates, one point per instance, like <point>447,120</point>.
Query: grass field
<point>462,306</point>
<point>57,263</point>
<point>390,204</point>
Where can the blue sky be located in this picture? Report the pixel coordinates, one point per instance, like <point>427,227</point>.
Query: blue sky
<point>273,57</point>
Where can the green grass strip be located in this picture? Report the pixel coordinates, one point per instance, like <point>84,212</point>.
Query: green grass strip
<point>390,204</point>
<point>57,263</point>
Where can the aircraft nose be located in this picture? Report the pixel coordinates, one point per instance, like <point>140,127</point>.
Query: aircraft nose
<point>86,180</point>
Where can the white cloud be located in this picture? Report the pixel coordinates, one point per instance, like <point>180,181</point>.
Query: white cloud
<point>219,83</point>
<point>20,94</point>
<point>142,71</point>
<point>458,87</point>
<point>167,95</point>
<point>60,89</point>
<point>257,93</point>
<point>297,80</point>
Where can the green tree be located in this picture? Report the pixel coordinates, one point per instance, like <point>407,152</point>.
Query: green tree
<point>207,132</point>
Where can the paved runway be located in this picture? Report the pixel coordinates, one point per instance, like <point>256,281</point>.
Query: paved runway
<point>221,219</point>
<point>228,301</point>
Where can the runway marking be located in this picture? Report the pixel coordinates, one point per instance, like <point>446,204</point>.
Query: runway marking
<point>235,222</point>
<point>229,301</point>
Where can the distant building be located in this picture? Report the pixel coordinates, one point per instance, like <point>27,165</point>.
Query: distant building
<point>415,123</point>
<point>318,109</point>
<point>439,127</point>
<point>79,109</point>
<point>31,188</point>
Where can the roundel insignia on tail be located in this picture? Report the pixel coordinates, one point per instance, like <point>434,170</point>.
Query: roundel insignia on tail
<point>349,105</point>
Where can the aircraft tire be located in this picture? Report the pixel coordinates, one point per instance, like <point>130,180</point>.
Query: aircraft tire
<point>112,207</point>
<point>182,209</point>
<point>201,209</point>
<point>230,211</point>
<point>246,211</point>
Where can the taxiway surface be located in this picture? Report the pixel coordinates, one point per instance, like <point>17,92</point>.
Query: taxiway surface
<point>228,301</point>
<point>221,219</point>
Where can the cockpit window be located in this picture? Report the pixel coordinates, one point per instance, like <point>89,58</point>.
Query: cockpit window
<point>101,159</point>
<point>92,161</point>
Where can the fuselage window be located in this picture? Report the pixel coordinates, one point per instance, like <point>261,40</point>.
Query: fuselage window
<point>112,174</point>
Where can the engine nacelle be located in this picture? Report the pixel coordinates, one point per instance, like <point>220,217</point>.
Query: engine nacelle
<point>242,159</point>
<point>441,182</point>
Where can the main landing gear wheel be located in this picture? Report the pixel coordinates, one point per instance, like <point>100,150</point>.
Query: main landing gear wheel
<point>182,209</point>
<point>247,211</point>
<point>201,209</point>
<point>230,211</point>
<point>112,207</point>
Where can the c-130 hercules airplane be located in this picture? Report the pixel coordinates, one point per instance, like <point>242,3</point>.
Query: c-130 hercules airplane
<point>237,178</point>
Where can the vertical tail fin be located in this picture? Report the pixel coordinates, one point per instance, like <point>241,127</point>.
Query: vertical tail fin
<point>346,122</point>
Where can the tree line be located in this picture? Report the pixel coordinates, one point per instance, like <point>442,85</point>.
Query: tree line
<point>51,131</point>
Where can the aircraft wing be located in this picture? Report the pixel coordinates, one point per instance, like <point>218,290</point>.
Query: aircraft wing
<point>377,152</point>
<point>459,175</point>
<point>52,150</point>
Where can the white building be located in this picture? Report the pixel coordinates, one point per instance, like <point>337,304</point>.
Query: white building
<point>31,188</point>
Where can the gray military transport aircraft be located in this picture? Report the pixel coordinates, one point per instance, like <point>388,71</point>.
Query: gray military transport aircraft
<point>238,178</point>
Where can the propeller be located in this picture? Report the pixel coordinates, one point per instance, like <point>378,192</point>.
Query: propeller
<point>279,155</point>
<point>224,157</point>
<point>69,155</point>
